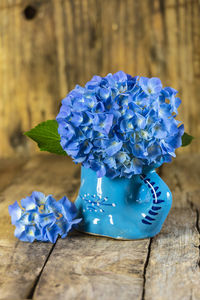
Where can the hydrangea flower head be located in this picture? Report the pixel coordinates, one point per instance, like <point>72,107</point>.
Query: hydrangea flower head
<point>43,218</point>
<point>118,124</point>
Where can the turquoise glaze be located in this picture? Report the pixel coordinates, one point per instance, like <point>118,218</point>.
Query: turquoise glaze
<point>123,208</point>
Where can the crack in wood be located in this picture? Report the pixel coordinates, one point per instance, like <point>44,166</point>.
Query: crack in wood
<point>195,209</point>
<point>32,290</point>
<point>159,171</point>
<point>198,229</point>
<point>145,268</point>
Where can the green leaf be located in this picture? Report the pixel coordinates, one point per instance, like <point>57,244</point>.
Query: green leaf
<point>47,137</point>
<point>186,139</point>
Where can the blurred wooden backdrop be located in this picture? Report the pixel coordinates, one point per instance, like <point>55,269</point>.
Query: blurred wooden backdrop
<point>47,46</point>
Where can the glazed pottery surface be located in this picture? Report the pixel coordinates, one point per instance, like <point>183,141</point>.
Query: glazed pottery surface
<point>123,208</point>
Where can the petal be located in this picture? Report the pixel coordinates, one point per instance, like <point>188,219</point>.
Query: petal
<point>137,165</point>
<point>52,233</point>
<point>20,233</point>
<point>120,76</point>
<point>39,197</point>
<point>138,150</point>
<point>46,219</point>
<point>110,162</point>
<point>153,152</point>
<point>30,233</point>
<point>25,218</point>
<point>69,209</point>
<point>53,206</point>
<point>72,149</point>
<point>175,141</point>
<point>155,85</point>
<point>159,130</point>
<point>164,110</point>
<point>64,227</point>
<point>104,93</point>
<point>99,108</point>
<point>29,203</point>
<point>108,123</point>
<point>133,167</point>
<point>122,157</point>
<point>15,212</point>
<point>139,120</point>
<point>99,168</point>
<point>143,82</point>
<point>69,226</point>
<point>77,119</point>
<point>113,148</point>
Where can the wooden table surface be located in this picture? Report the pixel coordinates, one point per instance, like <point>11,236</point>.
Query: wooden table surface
<point>86,267</point>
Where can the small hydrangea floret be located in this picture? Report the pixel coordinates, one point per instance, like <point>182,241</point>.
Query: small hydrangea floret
<point>42,218</point>
<point>118,125</point>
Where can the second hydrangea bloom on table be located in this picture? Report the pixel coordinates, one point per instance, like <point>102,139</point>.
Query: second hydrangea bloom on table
<point>43,218</point>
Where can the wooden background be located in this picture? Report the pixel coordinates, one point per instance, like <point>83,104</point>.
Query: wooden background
<point>47,46</point>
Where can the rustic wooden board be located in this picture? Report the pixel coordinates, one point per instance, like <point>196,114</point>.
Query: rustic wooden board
<point>168,267</point>
<point>21,263</point>
<point>173,269</point>
<point>81,38</point>
<point>183,173</point>
<point>9,168</point>
<point>88,267</point>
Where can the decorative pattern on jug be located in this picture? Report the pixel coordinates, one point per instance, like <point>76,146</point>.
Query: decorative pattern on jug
<point>95,203</point>
<point>156,193</point>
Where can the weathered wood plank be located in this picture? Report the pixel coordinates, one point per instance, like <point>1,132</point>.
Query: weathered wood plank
<point>21,263</point>
<point>183,173</point>
<point>89,267</point>
<point>81,38</point>
<point>28,95</point>
<point>173,268</point>
<point>10,4</point>
<point>9,168</point>
<point>183,178</point>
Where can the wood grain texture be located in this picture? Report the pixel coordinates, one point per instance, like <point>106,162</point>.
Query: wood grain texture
<point>9,169</point>
<point>174,263</point>
<point>21,263</point>
<point>47,49</point>
<point>88,267</point>
<point>173,268</point>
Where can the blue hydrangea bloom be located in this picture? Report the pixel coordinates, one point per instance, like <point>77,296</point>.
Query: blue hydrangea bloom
<point>42,218</point>
<point>118,125</point>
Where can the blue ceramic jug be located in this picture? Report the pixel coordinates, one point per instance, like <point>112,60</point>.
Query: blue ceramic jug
<point>123,208</point>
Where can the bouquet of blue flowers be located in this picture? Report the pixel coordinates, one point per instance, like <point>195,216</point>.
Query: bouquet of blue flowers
<point>116,125</point>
